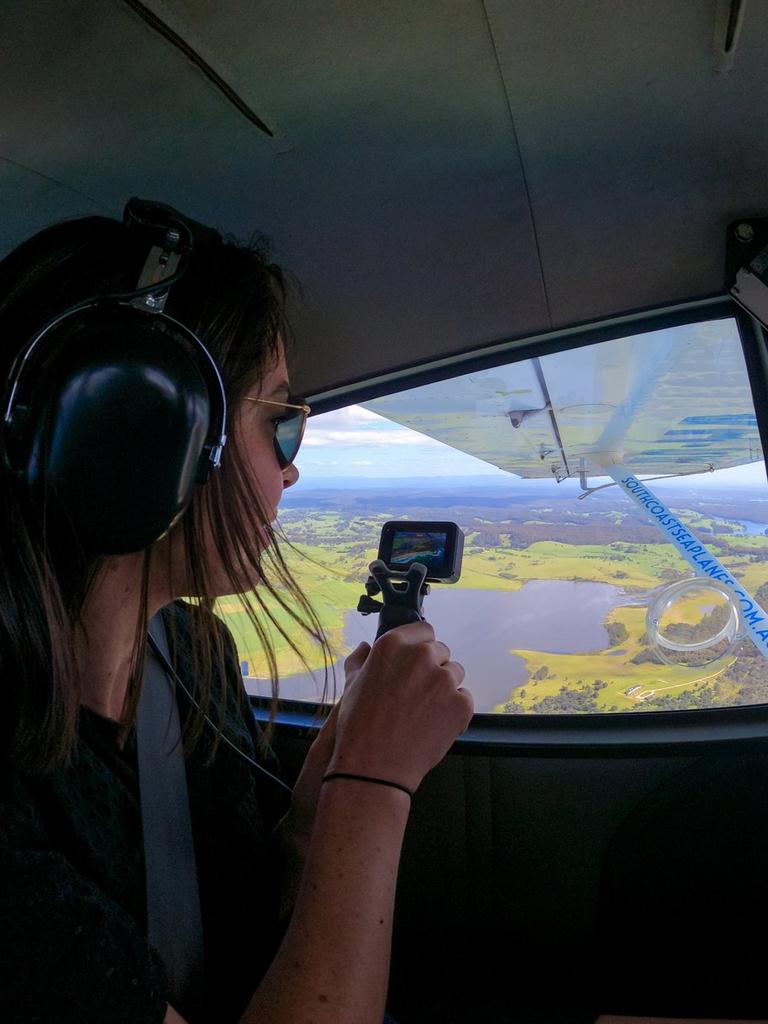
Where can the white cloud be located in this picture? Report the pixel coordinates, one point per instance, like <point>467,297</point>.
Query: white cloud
<point>355,426</point>
<point>361,415</point>
<point>370,438</point>
<point>351,416</point>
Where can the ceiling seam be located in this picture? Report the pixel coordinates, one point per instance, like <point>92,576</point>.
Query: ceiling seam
<point>162,28</point>
<point>54,181</point>
<point>519,152</point>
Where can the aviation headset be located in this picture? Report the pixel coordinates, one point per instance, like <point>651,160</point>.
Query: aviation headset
<point>115,410</point>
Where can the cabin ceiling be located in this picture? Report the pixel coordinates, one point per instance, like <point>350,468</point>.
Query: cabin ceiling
<point>441,175</point>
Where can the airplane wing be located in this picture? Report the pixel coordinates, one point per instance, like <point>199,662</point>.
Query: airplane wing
<point>666,401</point>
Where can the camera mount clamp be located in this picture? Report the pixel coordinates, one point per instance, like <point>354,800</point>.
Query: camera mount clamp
<point>402,595</point>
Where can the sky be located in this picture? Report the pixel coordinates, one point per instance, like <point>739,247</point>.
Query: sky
<point>357,444</point>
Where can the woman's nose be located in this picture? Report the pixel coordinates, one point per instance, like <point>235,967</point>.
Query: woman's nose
<point>290,476</point>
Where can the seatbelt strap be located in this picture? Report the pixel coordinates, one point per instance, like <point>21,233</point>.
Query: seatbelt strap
<point>174,925</point>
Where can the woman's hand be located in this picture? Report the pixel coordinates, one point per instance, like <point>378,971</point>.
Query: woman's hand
<point>403,707</point>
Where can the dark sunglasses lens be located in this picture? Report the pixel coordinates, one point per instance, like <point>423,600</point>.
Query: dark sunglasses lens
<point>288,435</point>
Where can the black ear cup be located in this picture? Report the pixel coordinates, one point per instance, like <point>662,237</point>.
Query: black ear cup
<point>112,427</point>
<point>114,410</point>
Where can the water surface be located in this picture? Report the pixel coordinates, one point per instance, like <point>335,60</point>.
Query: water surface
<point>751,527</point>
<point>482,626</point>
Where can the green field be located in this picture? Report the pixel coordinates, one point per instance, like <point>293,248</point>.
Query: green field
<point>627,685</point>
<point>331,569</point>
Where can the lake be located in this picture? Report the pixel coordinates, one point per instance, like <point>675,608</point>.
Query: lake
<point>751,527</point>
<point>482,626</point>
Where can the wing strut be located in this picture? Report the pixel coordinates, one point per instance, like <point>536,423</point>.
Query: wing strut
<point>537,369</point>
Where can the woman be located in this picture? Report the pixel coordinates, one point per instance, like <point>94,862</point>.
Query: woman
<point>73,617</point>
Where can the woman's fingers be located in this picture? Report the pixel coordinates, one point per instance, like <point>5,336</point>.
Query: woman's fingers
<point>323,744</point>
<point>457,671</point>
<point>329,725</point>
<point>442,652</point>
<point>404,706</point>
<point>469,703</point>
<point>356,659</point>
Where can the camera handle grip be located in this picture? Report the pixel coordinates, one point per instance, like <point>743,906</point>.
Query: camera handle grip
<point>402,604</point>
<point>390,617</point>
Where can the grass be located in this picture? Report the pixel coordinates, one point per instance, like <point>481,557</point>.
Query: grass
<point>617,671</point>
<point>626,565</point>
<point>330,594</point>
<point>331,572</point>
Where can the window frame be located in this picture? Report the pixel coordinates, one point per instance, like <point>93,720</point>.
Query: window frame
<point>617,733</point>
<point>647,733</point>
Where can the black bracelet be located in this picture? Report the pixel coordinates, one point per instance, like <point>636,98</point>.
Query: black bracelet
<point>367,778</point>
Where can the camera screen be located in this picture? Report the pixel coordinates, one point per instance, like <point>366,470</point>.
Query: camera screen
<point>417,546</point>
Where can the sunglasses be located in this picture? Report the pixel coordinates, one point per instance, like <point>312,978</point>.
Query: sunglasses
<point>289,429</point>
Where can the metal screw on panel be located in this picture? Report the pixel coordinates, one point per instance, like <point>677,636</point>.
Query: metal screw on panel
<point>744,232</point>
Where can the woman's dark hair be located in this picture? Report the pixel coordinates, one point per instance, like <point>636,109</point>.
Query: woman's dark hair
<point>233,298</point>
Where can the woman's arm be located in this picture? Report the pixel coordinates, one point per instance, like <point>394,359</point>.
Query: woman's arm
<point>333,965</point>
<point>291,836</point>
<point>290,852</point>
<point>401,711</point>
<point>334,959</point>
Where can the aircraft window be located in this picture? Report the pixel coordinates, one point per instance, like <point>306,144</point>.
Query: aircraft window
<point>541,462</point>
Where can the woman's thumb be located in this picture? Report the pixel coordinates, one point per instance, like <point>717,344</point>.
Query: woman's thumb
<point>357,658</point>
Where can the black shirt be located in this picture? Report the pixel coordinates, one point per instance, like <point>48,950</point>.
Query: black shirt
<point>73,944</point>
